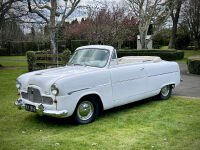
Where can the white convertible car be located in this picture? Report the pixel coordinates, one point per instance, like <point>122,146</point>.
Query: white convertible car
<point>95,80</point>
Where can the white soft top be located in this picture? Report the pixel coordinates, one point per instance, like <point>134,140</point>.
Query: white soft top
<point>110,48</point>
<point>130,59</point>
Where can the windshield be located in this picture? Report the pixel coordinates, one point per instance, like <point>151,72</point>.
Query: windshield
<point>90,57</point>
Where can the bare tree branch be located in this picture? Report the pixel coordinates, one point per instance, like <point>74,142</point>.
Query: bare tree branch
<point>41,7</point>
<point>149,12</point>
<point>36,11</point>
<point>50,11</point>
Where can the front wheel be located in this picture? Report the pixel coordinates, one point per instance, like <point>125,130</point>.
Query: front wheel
<point>86,111</point>
<point>165,92</point>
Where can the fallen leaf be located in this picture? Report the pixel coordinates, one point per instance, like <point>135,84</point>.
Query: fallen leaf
<point>94,144</point>
<point>57,144</point>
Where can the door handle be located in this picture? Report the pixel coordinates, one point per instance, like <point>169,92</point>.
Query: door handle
<point>142,68</point>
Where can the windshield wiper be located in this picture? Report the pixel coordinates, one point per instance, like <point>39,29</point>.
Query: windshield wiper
<point>77,65</point>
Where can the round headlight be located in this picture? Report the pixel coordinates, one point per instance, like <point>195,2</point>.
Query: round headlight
<point>54,90</point>
<point>18,84</point>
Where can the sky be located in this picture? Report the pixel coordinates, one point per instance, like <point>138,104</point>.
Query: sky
<point>80,13</point>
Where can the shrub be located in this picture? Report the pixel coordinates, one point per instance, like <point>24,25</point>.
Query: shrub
<point>163,54</point>
<point>77,43</point>
<point>182,41</point>
<point>66,56</point>
<point>161,38</point>
<point>43,59</point>
<point>31,60</point>
<point>193,64</point>
<point>4,52</point>
<point>61,45</point>
<point>130,44</point>
<point>29,45</point>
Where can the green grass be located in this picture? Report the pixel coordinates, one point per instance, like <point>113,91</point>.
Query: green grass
<point>188,53</point>
<point>13,63</point>
<point>152,124</point>
<point>13,57</point>
<point>164,47</point>
<point>4,61</point>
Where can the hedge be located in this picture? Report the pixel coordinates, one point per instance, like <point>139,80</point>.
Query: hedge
<point>77,43</point>
<point>163,54</point>
<point>20,47</point>
<point>129,44</point>
<point>43,59</point>
<point>4,52</point>
<point>193,64</point>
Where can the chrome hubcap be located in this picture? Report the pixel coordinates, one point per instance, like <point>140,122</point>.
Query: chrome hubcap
<point>85,110</point>
<point>165,90</point>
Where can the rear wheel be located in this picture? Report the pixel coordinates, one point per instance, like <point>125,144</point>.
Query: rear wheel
<point>165,92</point>
<point>86,111</point>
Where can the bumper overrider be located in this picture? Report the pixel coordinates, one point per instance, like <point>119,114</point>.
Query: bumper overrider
<point>40,110</point>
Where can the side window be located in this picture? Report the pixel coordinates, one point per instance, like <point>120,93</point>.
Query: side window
<point>114,59</point>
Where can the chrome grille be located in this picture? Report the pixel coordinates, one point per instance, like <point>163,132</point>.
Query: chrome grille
<point>24,95</point>
<point>34,95</point>
<point>47,100</point>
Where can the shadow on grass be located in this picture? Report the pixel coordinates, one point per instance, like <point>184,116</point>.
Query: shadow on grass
<point>68,122</point>
<point>129,106</point>
<point>50,121</point>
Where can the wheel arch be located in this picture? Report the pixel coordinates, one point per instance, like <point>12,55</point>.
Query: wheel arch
<point>95,96</point>
<point>172,85</point>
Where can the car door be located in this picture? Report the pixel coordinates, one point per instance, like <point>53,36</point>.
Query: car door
<point>129,82</point>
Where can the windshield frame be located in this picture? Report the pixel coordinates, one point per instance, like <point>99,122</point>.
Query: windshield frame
<point>93,49</point>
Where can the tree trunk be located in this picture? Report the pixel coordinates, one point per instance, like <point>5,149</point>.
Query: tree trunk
<point>143,40</point>
<point>196,43</point>
<point>175,18</point>
<point>53,46</point>
<point>173,35</point>
<point>52,27</point>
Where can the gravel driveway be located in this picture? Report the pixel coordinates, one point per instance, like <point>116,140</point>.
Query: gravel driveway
<point>190,86</point>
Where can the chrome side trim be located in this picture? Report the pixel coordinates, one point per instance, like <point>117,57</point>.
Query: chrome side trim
<point>162,74</point>
<point>77,91</point>
<point>129,80</point>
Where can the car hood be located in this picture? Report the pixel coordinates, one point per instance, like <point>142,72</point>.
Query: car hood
<point>45,78</point>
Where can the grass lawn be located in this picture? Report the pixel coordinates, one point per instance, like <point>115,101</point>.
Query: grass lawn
<point>164,47</point>
<point>13,63</point>
<point>13,57</point>
<point>150,124</point>
<point>7,63</point>
<point>188,53</point>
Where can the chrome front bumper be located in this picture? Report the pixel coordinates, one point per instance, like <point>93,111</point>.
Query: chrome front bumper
<point>42,111</point>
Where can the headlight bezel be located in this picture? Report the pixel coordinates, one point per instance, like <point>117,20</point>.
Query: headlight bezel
<point>54,90</point>
<point>18,84</point>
